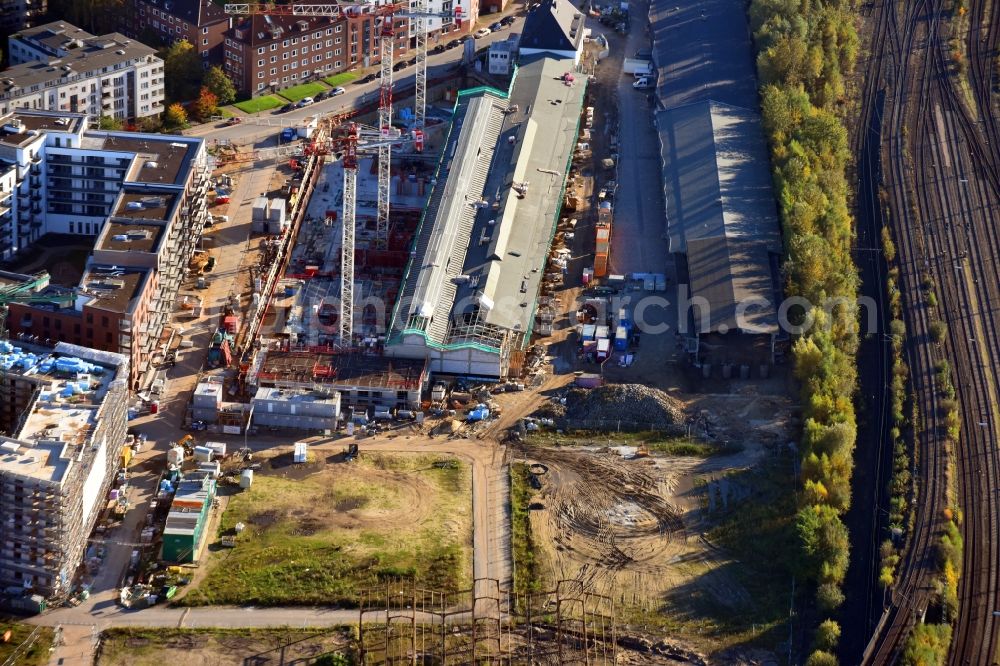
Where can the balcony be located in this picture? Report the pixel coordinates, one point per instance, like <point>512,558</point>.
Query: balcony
<point>36,170</point>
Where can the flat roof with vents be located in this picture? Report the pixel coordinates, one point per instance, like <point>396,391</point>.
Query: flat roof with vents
<point>114,288</point>
<point>131,237</point>
<point>146,205</point>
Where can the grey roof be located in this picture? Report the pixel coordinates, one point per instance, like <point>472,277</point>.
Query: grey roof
<point>95,54</point>
<point>486,264</point>
<point>721,212</point>
<point>195,12</point>
<point>702,51</point>
<point>555,25</point>
<point>54,37</point>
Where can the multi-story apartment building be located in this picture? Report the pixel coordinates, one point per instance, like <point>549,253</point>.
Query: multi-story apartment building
<point>19,14</point>
<point>201,22</point>
<point>65,410</point>
<point>465,13</point>
<point>59,67</point>
<point>140,197</point>
<point>264,53</point>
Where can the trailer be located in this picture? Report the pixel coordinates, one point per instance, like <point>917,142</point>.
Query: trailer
<point>637,67</point>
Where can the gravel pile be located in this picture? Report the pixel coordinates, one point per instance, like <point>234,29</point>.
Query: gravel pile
<point>629,406</point>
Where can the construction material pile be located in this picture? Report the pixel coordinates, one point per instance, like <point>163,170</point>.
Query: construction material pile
<point>624,407</point>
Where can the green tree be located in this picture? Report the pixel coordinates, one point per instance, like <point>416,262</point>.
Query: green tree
<point>928,645</point>
<point>821,658</point>
<point>109,123</point>
<point>175,117</point>
<point>220,85</point>
<point>827,635</point>
<point>182,71</point>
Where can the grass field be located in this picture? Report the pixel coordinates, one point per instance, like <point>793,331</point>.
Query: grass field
<point>340,79</point>
<point>37,655</point>
<point>324,538</point>
<point>224,647</point>
<point>262,103</point>
<point>295,93</point>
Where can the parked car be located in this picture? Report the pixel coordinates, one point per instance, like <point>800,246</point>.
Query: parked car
<point>321,95</point>
<point>371,77</point>
<point>286,108</point>
<point>440,48</point>
<point>337,91</point>
<point>507,20</point>
<point>453,43</point>
<point>399,66</point>
<point>235,120</point>
<point>496,27</point>
<point>305,101</point>
<point>482,32</point>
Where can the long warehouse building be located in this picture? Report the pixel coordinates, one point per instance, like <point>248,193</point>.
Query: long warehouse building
<point>467,304</point>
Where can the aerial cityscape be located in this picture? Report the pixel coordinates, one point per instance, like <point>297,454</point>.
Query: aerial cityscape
<point>499,332</point>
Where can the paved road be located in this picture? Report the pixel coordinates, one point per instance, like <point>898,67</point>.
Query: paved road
<point>358,94</point>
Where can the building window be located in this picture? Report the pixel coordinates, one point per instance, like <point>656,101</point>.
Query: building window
<point>317,34</point>
<point>104,322</point>
<point>260,86</point>
<point>339,28</point>
<point>204,31</point>
<point>274,59</point>
<point>274,70</point>
<point>260,51</point>
<point>260,75</point>
<point>204,42</point>
<point>274,47</point>
<point>90,317</point>
<point>260,63</point>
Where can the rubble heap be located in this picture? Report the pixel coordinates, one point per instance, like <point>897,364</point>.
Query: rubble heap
<point>628,406</point>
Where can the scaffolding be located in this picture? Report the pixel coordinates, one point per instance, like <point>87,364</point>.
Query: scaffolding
<point>400,622</point>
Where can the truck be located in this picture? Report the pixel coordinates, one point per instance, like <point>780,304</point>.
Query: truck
<point>643,83</point>
<point>289,134</point>
<point>637,67</point>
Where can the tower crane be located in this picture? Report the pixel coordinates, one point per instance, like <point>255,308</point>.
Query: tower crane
<point>352,139</point>
<point>386,32</point>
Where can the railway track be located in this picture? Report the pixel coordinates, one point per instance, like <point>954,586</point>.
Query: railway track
<point>943,181</point>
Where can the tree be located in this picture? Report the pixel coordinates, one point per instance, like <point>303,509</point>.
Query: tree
<point>928,645</point>
<point>207,104</point>
<point>939,330</point>
<point>175,116</point>
<point>827,635</point>
<point>821,658</point>
<point>220,85</point>
<point>109,123</point>
<point>182,71</point>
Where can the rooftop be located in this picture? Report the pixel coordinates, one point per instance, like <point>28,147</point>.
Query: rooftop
<point>308,367</point>
<point>113,288</point>
<point>22,127</point>
<point>500,270</point>
<point>162,160</point>
<point>69,391</point>
<point>57,35</point>
<point>139,204</point>
<point>720,208</point>
<point>90,58</point>
<point>195,12</point>
<point>130,237</point>
<point>295,395</point>
<point>555,25</point>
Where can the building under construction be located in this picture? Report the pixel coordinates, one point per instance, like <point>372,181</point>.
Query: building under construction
<point>64,411</point>
<point>363,380</point>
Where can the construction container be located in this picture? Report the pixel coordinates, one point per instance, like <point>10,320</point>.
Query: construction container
<point>621,339</point>
<point>212,468</point>
<point>207,395</point>
<point>219,448</point>
<point>203,454</point>
<point>299,456</point>
<point>246,478</point>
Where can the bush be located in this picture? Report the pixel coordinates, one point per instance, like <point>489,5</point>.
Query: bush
<point>939,331</point>
<point>827,635</point>
<point>821,658</point>
<point>928,645</point>
<point>829,596</point>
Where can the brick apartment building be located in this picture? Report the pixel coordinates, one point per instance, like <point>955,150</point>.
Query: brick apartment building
<point>201,22</point>
<point>264,53</point>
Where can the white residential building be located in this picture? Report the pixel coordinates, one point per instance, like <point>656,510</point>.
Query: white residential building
<point>59,67</point>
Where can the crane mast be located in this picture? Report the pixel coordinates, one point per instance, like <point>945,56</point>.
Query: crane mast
<point>386,36</point>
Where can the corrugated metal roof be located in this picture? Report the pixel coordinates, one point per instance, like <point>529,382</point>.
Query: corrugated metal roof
<point>720,209</point>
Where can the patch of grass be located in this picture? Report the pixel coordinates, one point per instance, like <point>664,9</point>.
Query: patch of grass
<point>134,646</point>
<point>340,79</point>
<point>655,441</point>
<point>295,93</point>
<point>36,655</point>
<point>325,538</point>
<point>758,530</point>
<point>258,104</point>
<point>527,568</point>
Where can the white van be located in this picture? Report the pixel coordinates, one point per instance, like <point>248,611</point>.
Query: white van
<point>643,83</point>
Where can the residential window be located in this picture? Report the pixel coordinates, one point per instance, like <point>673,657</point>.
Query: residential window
<point>337,52</point>
<point>284,68</point>
<point>295,40</point>
<point>204,42</point>
<point>317,34</point>
<point>339,28</point>
<point>329,31</point>
<point>329,54</point>
<point>284,56</point>
<point>317,58</point>
<point>305,62</point>
<point>260,86</point>
<point>295,76</point>
<point>204,31</point>
<point>260,75</point>
<point>274,70</point>
<point>260,63</point>
<point>285,43</point>
<point>274,47</point>
<point>260,51</point>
